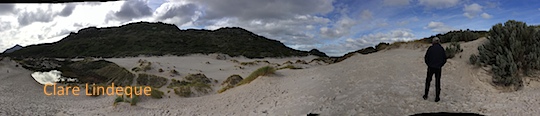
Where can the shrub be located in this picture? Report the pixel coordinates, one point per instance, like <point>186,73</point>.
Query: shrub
<point>453,49</point>
<point>183,91</point>
<point>199,77</point>
<point>223,89</point>
<point>118,99</point>
<point>512,49</point>
<point>174,72</point>
<point>143,66</point>
<point>160,70</point>
<point>198,82</point>
<point>156,93</point>
<point>177,83</point>
<point>259,72</point>
<point>473,59</point>
<point>230,82</point>
<point>289,67</point>
<point>151,80</point>
<point>134,100</point>
<point>248,63</point>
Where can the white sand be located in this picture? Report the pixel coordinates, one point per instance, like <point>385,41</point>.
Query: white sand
<point>383,83</point>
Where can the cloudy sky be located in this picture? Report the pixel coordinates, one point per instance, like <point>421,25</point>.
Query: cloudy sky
<point>332,26</point>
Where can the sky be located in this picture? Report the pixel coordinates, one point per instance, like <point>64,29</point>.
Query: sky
<point>335,27</point>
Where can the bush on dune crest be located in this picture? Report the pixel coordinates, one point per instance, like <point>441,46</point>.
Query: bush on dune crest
<point>453,49</point>
<point>237,80</point>
<point>259,72</point>
<point>230,82</point>
<point>512,49</point>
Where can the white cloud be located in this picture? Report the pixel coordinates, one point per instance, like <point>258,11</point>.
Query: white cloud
<point>438,27</point>
<point>407,21</point>
<point>438,4</point>
<point>353,44</point>
<point>396,2</point>
<point>366,15</point>
<point>45,29</point>
<point>261,9</point>
<point>286,31</point>
<point>341,28</point>
<point>472,10</point>
<point>486,16</point>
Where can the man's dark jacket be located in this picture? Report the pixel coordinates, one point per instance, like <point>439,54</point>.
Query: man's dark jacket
<point>435,56</point>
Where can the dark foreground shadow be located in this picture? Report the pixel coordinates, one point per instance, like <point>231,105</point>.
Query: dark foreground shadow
<point>446,114</point>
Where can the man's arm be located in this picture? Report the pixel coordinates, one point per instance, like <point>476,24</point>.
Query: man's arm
<point>426,57</point>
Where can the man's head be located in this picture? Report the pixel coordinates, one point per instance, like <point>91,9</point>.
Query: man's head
<point>435,40</point>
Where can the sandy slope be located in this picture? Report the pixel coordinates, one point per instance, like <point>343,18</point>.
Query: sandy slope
<point>384,83</point>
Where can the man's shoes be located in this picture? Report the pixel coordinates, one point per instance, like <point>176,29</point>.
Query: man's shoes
<point>425,97</point>
<point>437,99</point>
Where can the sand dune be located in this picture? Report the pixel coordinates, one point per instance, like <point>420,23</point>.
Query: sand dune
<point>379,84</point>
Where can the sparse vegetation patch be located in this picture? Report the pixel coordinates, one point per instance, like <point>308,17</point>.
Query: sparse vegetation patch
<point>198,82</point>
<point>230,82</point>
<point>151,80</point>
<point>453,49</point>
<point>266,70</point>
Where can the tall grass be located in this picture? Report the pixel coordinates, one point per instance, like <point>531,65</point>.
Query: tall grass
<point>266,70</point>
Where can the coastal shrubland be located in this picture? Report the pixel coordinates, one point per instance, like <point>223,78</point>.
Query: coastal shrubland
<point>511,51</point>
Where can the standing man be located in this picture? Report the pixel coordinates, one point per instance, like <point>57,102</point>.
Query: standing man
<point>435,59</point>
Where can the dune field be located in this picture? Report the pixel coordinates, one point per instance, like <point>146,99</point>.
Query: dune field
<point>385,83</point>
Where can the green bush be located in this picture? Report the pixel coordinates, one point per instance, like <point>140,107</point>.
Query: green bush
<point>151,80</point>
<point>473,59</point>
<point>118,99</point>
<point>230,82</point>
<point>134,100</point>
<point>512,49</point>
<point>156,93</point>
<point>198,82</point>
<point>453,49</point>
<point>225,89</point>
<point>183,91</point>
<point>259,72</point>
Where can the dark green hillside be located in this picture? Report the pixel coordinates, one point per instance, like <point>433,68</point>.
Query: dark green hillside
<point>144,38</point>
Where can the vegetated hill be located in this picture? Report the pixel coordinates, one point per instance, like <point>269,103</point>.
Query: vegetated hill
<point>145,38</point>
<point>457,36</point>
<point>452,36</point>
